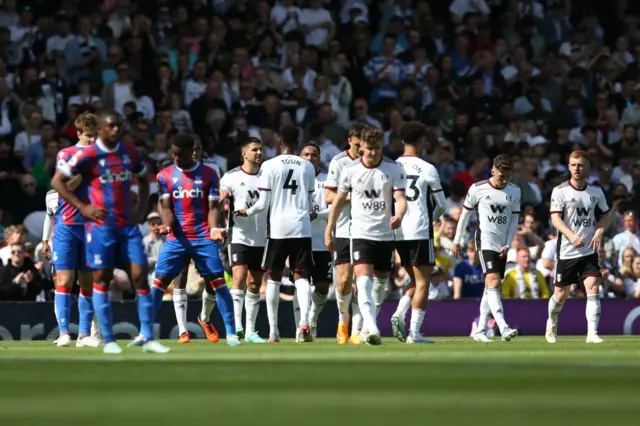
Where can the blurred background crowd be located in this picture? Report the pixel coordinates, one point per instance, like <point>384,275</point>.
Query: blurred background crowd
<point>532,78</point>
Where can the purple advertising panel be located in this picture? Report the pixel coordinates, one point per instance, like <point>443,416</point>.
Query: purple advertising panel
<point>454,318</point>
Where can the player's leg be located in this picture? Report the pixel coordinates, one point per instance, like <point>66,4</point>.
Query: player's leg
<point>322,277</point>
<point>65,259</point>
<point>273,262</point>
<point>181,302</point>
<point>592,277</point>
<point>208,303</point>
<point>398,319</point>
<point>88,334</point>
<point>344,283</point>
<point>252,300</point>
<point>364,259</point>
<point>566,274</point>
<point>301,263</point>
<point>239,274</point>
<point>422,254</point>
<point>493,267</point>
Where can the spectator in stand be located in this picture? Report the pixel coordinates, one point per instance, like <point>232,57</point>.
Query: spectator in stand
<point>19,278</point>
<point>630,237</point>
<point>15,234</point>
<point>468,279</point>
<point>524,281</point>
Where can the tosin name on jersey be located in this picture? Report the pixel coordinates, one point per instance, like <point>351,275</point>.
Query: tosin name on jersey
<point>188,193</point>
<point>111,177</point>
<point>500,220</point>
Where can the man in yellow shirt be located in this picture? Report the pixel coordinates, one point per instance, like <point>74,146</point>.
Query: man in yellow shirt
<point>523,281</point>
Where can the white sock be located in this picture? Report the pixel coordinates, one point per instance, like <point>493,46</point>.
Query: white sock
<point>495,303</point>
<point>485,312</point>
<point>296,310</point>
<point>379,292</point>
<point>303,291</point>
<point>343,301</point>
<point>366,303</point>
<point>180,306</point>
<point>555,308</point>
<point>251,307</point>
<point>403,307</point>
<point>317,304</point>
<point>95,326</point>
<point>273,300</point>
<point>238,302</point>
<point>417,317</point>
<point>208,303</point>
<point>357,322</point>
<point>592,312</point>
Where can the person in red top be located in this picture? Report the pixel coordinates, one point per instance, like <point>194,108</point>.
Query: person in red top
<point>479,165</point>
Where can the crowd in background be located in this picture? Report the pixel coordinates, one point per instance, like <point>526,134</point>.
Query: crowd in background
<point>532,78</point>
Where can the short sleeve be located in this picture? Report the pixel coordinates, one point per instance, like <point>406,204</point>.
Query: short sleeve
<point>458,272</point>
<point>515,202</point>
<point>62,158</point>
<point>434,180</point>
<point>333,175</point>
<point>311,178</point>
<point>399,179</point>
<point>602,202</point>
<point>470,200</point>
<point>225,185</point>
<point>76,163</point>
<point>345,180</point>
<point>163,187</point>
<point>557,201</point>
<point>265,178</point>
<point>214,186</point>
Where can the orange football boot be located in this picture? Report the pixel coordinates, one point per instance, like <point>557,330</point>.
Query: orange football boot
<point>209,330</point>
<point>184,338</point>
<point>343,333</point>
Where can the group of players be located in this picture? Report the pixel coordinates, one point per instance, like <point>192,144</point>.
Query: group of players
<point>286,213</point>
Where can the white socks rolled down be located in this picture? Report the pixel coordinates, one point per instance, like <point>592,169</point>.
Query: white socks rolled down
<point>554,310</point>
<point>273,300</point>
<point>208,303</point>
<point>251,306</point>
<point>296,310</point>
<point>379,292</point>
<point>180,307</point>
<point>417,318</point>
<point>237,296</point>
<point>303,293</point>
<point>343,301</point>
<point>485,313</point>
<point>403,307</point>
<point>367,304</point>
<point>495,303</point>
<point>317,304</point>
<point>592,313</point>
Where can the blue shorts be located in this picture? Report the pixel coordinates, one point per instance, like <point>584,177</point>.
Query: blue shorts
<point>176,254</point>
<point>109,247</point>
<point>68,248</point>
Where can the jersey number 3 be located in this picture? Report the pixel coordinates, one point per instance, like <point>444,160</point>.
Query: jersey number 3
<point>413,180</point>
<point>290,183</point>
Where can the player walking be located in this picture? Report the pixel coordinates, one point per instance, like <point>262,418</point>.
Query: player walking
<point>248,237</point>
<point>112,238</point>
<point>68,247</point>
<point>286,189</point>
<point>189,193</point>
<point>322,265</point>
<point>414,238</point>
<point>573,207</point>
<point>374,183</point>
<point>342,242</point>
<point>498,205</point>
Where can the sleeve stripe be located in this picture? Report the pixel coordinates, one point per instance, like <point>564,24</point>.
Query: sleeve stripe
<point>605,212</point>
<point>436,190</point>
<point>264,189</point>
<point>330,187</point>
<point>515,212</point>
<point>468,208</point>
<point>399,189</point>
<point>555,211</point>
<point>164,196</point>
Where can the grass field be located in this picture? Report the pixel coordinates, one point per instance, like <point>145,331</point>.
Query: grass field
<point>455,382</point>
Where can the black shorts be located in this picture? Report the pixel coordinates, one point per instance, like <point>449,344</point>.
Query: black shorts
<point>341,251</point>
<point>416,252</point>
<point>240,254</point>
<point>572,271</point>
<point>297,250</point>
<point>322,267</point>
<point>376,253</point>
<point>491,262</point>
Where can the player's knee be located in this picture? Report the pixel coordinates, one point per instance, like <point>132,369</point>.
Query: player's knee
<point>240,277</point>
<point>561,292</point>
<point>216,280</point>
<point>65,279</point>
<point>492,280</point>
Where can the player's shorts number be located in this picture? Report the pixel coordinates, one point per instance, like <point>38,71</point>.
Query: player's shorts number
<point>413,181</point>
<point>289,182</point>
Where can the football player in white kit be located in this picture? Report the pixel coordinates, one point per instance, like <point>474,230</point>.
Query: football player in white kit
<point>414,238</point>
<point>374,183</point>
<point>573,209</point>
<point>342,243</point>
<point>497,203</point>
<point>287,184</point>
<point>248,237</point>
<point>322,274</point>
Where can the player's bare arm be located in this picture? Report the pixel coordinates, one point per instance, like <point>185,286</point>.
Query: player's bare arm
<point>336,208</point>
<point>74,182</point>
<point>215,219</point>
<point>602,225</point>
<point>143,197</point>
<point>513,230</point>
<point>91,212</point>
<point>401,209</point>
<point>558,223</point>
<point>167,216</point>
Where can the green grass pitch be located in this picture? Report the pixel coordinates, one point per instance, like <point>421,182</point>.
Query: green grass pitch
<point>454,382</point>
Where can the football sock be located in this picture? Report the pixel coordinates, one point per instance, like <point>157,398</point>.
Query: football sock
<point>208,303</point>
<point>273,300</point>
<point>495,303</point>
<point>593,313</point>
<point>379,292</point>
<point>403,307</point>
<point>85,313</point>
<point>238,303</point>
<point>356,317</point>
<point>417,317</point>
<point>251,306</point>
<point>317,304</point>
<point>157,293</point>
<point>303,293</point>
<point>366,303</point>
<point>485,312</point>
<point>95,325</point>
<point>102,308</point>
<point>62,301</point>
<point>555,308</point>
<point>296,310</point>
<point>180,307</point>
<point>145,313</point>
<point>225,305</point>
<point>343,301</point>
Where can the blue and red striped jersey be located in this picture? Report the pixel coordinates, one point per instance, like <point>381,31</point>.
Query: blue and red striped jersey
<point>108,174</point>
<point>190,192</point>
<point>66,214</point>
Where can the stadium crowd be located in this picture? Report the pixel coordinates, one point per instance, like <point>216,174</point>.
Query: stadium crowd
<point>533,79</point>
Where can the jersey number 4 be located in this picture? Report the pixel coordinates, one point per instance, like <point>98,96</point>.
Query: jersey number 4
<point>413,181</point>
<point>290,183</point>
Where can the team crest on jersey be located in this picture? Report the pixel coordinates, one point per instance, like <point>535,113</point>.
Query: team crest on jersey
<point>88,237</point>
<point>198,181</point>
<point>126,159</point>
<point>102,162</point>
<point>174,180</point>
<point>356,255</point>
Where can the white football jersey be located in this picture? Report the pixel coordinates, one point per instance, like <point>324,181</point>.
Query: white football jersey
<point>422,180</point>
<point>291,181</point>
<point>318,225</point>
<point>244,193</point>
<point>372,197</point>
<point>496,208</point>
<point>336,167</point>
<point>577,209</point>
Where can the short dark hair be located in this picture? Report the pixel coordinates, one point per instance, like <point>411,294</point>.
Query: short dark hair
<point>290,135</point>
<point>412,132</point>
<point>183,141</point>
<point>372,134</point>
<point>314,145</point>
<point>502,162</point>
<point>248,141</point>
<point>356,130</point>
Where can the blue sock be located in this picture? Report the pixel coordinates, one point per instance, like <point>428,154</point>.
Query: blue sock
<point>102,308</point>
<point>225,305</point>
<point>85,314</point>
<point>157,293</point>
<point>146,312</point>
<point>63,308</point>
